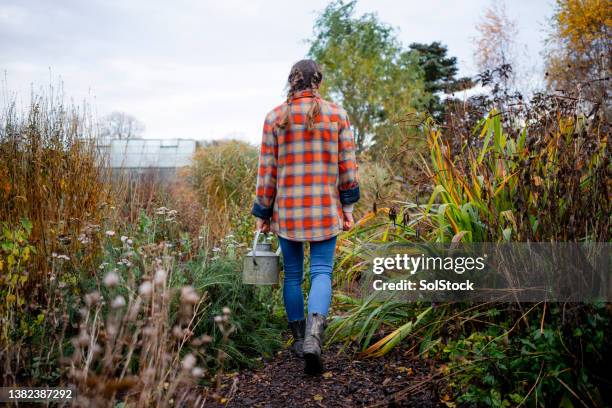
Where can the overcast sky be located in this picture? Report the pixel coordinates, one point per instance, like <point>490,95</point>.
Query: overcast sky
<point>208,69</point>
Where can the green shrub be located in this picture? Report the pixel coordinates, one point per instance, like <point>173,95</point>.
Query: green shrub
<point>536,358</point>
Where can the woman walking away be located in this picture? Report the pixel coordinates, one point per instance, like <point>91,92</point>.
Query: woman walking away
<point>306,188</point>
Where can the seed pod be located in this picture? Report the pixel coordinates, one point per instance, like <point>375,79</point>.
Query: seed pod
<point>393,214</point>
<point>406,218</point>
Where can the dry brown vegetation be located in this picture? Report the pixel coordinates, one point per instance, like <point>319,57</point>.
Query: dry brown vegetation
<point>50,175</point>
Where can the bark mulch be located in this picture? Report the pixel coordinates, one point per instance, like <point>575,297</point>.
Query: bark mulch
<point>395,380</point>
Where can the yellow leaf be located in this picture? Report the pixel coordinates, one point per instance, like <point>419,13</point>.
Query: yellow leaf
<point>328,375</point>
<point>318,397</point>
<point>367,217</point>
<point>443,369</point>
<point>537,180</point>
<point>10,298</point>
<point>407,370</point>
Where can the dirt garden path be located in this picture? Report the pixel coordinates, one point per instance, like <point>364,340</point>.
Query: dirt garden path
<point>395,380</point>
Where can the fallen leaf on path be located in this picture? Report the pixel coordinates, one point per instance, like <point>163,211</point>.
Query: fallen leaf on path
<point>318,397</point>
<point>407,370</point>
<point>328,374</point>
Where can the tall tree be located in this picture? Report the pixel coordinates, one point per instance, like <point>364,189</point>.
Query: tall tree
<point>120,125</point>
<point>440,74</point>
<point>366,69</point>
<point>580,48</point>
<point>495,44</point>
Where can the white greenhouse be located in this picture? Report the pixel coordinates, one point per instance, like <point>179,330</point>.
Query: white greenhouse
<point>164,156</point>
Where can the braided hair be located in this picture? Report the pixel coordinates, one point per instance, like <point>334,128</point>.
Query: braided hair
<point>305,75</point>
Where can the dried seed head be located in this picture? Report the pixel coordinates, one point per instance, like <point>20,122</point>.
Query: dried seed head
<point>189,295</point>
<point>227,311</point>
<point>189,362</point>
<point>118,302</point>
<point>83,239</point>
<point>97,349</point>
<point>134,309</point>
<point>92,298</point>
<point>145,289</point>
<point>218,319</point>
<point>112,330</point>
<point>177,332</point>
<point>111,279</point>
<point>160,277</point>
<point>197,372</point>
<point>202,340</point>
<point>83,339</point>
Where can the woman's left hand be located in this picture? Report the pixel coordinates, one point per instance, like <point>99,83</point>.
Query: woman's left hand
<point>348,221</point>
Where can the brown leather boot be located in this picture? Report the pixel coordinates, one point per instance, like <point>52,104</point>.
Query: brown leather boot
<point>313,343</point>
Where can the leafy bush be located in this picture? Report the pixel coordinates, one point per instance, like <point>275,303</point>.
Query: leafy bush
<point>539,357</point>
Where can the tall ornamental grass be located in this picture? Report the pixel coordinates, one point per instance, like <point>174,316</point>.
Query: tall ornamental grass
<point>223,178</point>
<point>545,180</point>
<point>50,175</point>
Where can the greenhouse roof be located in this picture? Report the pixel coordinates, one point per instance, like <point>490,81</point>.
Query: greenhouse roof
<point>148,153</point>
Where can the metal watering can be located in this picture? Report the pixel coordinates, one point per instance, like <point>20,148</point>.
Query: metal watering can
<point>261,265</point>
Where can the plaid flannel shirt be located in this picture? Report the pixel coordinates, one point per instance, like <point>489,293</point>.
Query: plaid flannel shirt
<point>306,176</point>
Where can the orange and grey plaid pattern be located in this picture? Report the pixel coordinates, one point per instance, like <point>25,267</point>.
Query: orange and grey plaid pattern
<point>305,176</point>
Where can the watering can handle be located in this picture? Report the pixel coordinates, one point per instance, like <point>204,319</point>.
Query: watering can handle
<point>255,245</point>
<point>278,251</point>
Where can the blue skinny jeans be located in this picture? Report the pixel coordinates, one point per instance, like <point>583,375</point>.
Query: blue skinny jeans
<point>321,266</point>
